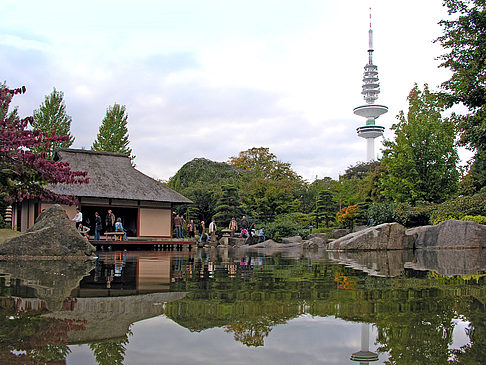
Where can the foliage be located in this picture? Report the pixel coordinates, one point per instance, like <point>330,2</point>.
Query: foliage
<point>261,163</point>
<point>473,218</point>
<point>200,180</point>
<point>113,132</point>
<point>285,226</point>
<point>24,172</point>
<point>228,205</point>
<point>464,40</point>
<point>421,161</point>
<point>111,351</point>
<point>346,216</point>
<point>381,212</point>
<point>326,208</point>
<point>457,208</point>
<point>51,118</point>
<point>417,215</point>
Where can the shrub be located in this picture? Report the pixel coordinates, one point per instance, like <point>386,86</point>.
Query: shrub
<point>474,205</point>
<point>347,216</point>
<point>413,216</point>
<point>475,218</point>
<point>285,226</point>
<point>379,213</point>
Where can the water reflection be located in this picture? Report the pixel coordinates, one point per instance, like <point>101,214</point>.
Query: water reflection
<point>117,307</point>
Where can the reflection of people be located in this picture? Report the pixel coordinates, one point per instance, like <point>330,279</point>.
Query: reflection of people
<point>110,221</point>
<point>98,227</point>
<point>119,228</point>
<point>78,218</point>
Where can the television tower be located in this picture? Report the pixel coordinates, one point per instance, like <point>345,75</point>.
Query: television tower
<point>370,111</point>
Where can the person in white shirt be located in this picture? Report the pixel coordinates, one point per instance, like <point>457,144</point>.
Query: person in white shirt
<point>78,218</point>
<point>212,230</point>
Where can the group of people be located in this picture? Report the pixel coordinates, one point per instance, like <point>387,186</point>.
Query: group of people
<point>206,234</point>
<point>247,230</point>
<point>112,224</point>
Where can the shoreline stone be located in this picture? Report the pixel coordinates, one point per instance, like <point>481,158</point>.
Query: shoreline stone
<point>53,235</point>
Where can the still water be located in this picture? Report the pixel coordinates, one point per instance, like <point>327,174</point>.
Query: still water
<point>237,307</point>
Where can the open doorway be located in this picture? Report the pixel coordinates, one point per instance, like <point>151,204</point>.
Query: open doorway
<point>129,217</point>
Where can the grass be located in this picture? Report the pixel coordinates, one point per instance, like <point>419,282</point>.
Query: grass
<point>7,233</point>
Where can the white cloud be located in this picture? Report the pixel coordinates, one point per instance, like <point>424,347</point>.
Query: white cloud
<point>209,79</point>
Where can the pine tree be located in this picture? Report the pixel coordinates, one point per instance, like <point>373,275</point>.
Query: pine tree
<point>51,118</point>
<point>228,205</point>
<point>113,132</point>
<point>326,208</point>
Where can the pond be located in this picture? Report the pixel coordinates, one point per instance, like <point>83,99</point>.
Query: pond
<point>237,307</point>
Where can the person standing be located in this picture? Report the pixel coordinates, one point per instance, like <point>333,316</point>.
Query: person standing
<point>192,229</point>
<point>110,221</point>
<point>183,224</point>
<point>98,227</point>
<point>261,235</point>
<point>203,236</point>
<point>233,226</point>
<point>244,223</point>
<point>177,224</point>
<point>78,218</point>
<point>212,230</point>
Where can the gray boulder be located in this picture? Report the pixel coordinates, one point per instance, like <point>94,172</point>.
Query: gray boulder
<point>314,242</point>
<point>387,236</point>
<point>449,234</point>
<point>292,240</point>
<point>53,234</point>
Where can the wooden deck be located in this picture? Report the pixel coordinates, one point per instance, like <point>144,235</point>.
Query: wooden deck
<point>149,244</point>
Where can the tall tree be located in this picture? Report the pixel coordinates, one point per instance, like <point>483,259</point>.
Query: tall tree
<point>269,187</point>
<point>464,40</point>
<point>113,133</point>
<point>421,162</point>
<point>228,205</point>
<point>51,118</point>
<point>25,173</point>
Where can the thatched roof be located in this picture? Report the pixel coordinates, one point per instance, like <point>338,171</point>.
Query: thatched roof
<point>112,176</point>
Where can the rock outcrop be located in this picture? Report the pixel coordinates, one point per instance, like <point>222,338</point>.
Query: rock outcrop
<point>449,234</point>
<point>52,235</point>
<point>387,236</point>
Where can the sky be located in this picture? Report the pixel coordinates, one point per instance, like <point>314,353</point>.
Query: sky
<point>215,77</point>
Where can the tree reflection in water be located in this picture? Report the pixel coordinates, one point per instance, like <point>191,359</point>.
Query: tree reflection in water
<point>414,312</point>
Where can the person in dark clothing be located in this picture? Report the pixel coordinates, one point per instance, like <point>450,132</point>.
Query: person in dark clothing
<point>244,223</point>
<point>98,227</point>
<point>110,221</point>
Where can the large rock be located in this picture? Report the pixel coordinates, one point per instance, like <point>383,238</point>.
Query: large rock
<point>387,236</point>
<point>52,235</point>
<point>449,234</point>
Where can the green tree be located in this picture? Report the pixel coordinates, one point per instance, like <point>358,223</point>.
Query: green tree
<point>269,187</point>
<point>326,208</point>
<point>464,39</point>
<point>113,133</point>
<point>229,205</point>
<point>51,118</point>
<point>421,162</point>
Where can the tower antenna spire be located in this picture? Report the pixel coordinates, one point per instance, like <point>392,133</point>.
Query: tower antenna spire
<point>370,111</point>
<point>370,43</point>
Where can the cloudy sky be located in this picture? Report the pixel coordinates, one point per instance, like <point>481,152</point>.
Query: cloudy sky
<point>215,77</point>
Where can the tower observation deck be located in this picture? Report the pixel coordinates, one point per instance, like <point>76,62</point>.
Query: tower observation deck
<point>370,111</point>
